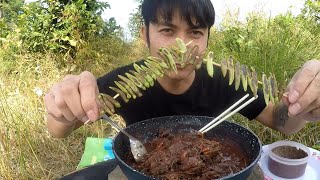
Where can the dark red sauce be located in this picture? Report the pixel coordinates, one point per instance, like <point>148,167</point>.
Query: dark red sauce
<point>190,156</point>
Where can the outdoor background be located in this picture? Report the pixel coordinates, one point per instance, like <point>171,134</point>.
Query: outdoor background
<point>42,41</point>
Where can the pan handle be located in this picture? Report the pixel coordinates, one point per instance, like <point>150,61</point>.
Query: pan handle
<point>98,171</point>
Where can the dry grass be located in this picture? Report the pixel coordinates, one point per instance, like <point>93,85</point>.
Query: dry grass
<point>26,149</point>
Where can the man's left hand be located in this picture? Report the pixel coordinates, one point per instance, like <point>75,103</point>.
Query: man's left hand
<point>304,92</point>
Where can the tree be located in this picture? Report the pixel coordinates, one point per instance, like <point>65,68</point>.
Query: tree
<point>111,28</point>
<point>312,9</point>
<point>9,11</point>
<point>135,21</point>
<point>60,25</point>
<point>311,15</point>
<point>55,25</point>
<point>1,6</point>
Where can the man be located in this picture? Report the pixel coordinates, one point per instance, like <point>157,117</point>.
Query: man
<point>74,101</point>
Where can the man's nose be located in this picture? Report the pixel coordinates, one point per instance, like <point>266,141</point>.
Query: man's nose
<point>184,37</point>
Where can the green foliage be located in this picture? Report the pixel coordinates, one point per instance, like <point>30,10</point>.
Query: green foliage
<point>4,30</point>
<point>53,25</point>
<point>269,45</point>
<point>102,54</point>
<point>277,45</point>
<point>11,48</point>
<point>311,10</point>
<point>9,11</point>
<point>136,21</point>
<point>56,26</point>
<point>27,151</point>
<point>311,16</point>
<point>111,29</point>
<point>34,26</point>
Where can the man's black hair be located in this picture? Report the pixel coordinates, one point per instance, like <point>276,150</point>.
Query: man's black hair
<point>201,11</point>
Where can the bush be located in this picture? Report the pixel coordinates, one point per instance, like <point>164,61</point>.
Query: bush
<point>53,25</point>
<point>269,45</point>
<point>277,45</point>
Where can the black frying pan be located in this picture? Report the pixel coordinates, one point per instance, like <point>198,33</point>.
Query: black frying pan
<point>148,129</point>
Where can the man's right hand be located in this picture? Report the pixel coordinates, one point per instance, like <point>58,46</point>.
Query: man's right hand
<point>73,99</point>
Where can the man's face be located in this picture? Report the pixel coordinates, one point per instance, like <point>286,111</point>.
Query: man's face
<point>164,34</point>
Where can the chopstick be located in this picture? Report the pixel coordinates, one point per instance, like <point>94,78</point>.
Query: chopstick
<point>217,120</point>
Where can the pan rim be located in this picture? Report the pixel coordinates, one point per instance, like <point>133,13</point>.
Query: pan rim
<point>252,164</point>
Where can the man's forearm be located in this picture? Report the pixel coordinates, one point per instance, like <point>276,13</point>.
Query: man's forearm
<point>59,129</point>
<point>284,123</point>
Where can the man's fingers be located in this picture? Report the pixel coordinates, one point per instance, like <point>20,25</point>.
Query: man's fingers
<point>56,106</point>
<point>73,99</point>
<point>51,105</point>
<point>285,99</point>
<point>306,102</point>
<point>88,94</point>
<point>71,95</point>
<point>312,110</point>
<point>58,91</point>
<point>312,106</point>
<point>99,115</point>
<point>60,119</point>
<point>301,81</point>
<point>62,105</point>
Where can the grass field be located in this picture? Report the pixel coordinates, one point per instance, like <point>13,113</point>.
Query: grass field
<point>28,152</point>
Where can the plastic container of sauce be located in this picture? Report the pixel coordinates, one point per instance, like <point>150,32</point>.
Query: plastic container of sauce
<point>288,159</point>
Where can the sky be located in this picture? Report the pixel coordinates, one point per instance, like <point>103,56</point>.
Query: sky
<point>121,9</point>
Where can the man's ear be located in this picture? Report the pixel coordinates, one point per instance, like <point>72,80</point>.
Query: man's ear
<point>143,33</point>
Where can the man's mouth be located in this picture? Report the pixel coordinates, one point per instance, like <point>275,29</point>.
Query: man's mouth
<point>178,65</point>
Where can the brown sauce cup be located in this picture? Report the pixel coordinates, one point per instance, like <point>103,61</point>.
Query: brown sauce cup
<point>288,159</point>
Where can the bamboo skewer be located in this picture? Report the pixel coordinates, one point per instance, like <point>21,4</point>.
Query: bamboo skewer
<point>215,122</point>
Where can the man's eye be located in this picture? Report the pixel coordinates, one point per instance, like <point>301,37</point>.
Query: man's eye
<point>196,34</point>
<point>166,31</point>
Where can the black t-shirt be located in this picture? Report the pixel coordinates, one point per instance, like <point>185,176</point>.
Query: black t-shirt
<point>207,96</point>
